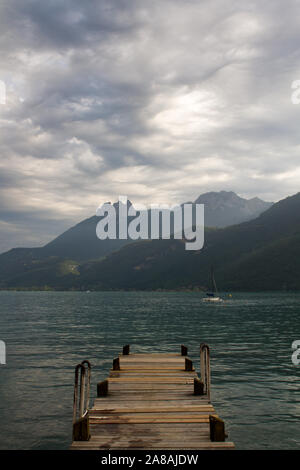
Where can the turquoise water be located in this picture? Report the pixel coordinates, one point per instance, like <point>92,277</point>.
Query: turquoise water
<point>255,386</point>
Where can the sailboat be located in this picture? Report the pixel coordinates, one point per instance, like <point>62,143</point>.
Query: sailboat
<point>212,295</point>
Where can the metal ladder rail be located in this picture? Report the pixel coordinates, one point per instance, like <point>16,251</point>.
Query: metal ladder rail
<point>80,412</point>
<point>216,424</point>
<point>205,368</point>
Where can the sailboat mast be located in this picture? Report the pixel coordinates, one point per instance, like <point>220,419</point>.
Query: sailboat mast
<point>213,282</point>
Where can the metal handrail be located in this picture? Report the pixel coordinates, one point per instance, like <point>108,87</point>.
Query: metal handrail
<point>205,368</point>
<point>84,390</point>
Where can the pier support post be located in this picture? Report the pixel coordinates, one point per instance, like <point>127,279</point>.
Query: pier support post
<point>102,388</point>
<point>81,429</point>
<point>217,429</point>
<point>184,350</point>
<point>188,364</point>
<point>126,350</point>
<point>116,364</point>
<point>198,386</point>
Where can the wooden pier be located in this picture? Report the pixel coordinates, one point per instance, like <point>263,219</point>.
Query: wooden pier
<point>149,401</point>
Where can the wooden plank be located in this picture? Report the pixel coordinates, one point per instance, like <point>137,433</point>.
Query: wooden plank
<point>148,420</point>
<point>152,360</point>
<point>157,363</point>
<point>150,436</point>
<point>146,409</point>
<point>152,373</point>
<point>150,413</point>
<point>168,362</point>
<point>135,444</point>
<point>152,366</point>
<point>153,355</point>
<point>170,380</point>
<point>155,395</point>
<point>146,376</point>
<point>156,428</point>
<point>150,404</point>
<point>144,440</point>
<point>150,386</point>
<point>145,413</point>
<point>156,384</point>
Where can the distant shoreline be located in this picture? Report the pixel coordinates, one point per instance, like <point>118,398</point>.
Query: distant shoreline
<point>195,291</point>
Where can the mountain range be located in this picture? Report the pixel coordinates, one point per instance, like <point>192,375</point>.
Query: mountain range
<point>259,254</point>
<point>226,208</point>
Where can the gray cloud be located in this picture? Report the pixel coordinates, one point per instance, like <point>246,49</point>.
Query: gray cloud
<point>158,100</point>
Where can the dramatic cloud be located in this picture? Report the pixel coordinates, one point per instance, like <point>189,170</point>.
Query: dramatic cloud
<point>159,101</point>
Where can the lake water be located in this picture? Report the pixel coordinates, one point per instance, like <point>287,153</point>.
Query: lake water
<point>255,386</point>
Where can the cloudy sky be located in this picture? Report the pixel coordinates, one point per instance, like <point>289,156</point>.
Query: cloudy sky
<point>158,100</point>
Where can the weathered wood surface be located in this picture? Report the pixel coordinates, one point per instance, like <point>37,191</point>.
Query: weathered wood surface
<point>150,401</point>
